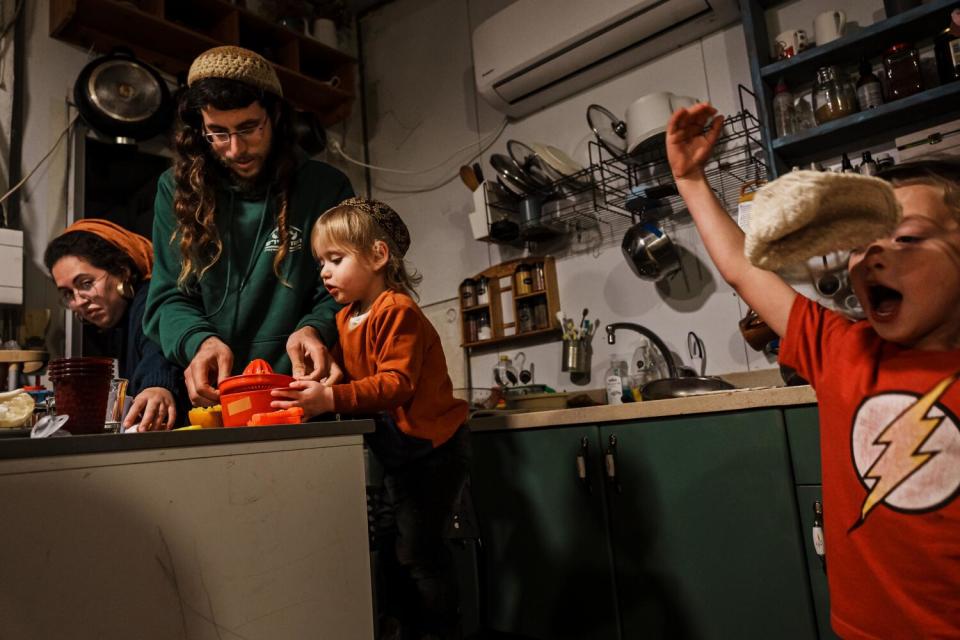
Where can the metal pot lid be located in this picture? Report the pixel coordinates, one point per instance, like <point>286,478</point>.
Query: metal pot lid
<point>529,162</point>
<point>611,132</point>
<point>511,176</point>
<point>124,90</point>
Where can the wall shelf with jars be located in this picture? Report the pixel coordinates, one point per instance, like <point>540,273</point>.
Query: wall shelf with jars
<point>889,48</point>
<point>514,300</point>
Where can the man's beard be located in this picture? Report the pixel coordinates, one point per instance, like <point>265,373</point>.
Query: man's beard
<point>252,188</point>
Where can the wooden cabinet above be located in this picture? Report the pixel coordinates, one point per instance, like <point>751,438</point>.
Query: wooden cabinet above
<point>169,34</point>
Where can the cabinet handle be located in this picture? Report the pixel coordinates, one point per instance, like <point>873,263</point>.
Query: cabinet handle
<point>582,455</point>
<point>610,463</point>
<point>817,532</point>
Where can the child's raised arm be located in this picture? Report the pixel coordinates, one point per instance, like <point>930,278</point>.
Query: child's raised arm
<point>688,149</point>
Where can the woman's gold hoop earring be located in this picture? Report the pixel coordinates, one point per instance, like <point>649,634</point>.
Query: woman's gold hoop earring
<point>125,289</point>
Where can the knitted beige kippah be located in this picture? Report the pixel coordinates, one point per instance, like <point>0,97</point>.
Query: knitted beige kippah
<point>804,214</point>
<point>235,63</point>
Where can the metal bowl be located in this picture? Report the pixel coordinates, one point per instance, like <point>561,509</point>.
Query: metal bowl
<point>682,387</point>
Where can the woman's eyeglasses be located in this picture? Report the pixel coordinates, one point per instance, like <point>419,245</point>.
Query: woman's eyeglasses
<point>85,289</point>
<point>248,134</point>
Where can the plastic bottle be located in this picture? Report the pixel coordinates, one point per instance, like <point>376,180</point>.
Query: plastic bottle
<point>869,90</point>
<point>868,167</point>
<point>845,165</point>
<point>614,379</point>
<point>784,115</point>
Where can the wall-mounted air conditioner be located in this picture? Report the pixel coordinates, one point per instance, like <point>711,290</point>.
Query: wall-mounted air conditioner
<point>535,52</point>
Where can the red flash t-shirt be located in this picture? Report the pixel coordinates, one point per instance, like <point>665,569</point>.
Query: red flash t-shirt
<point>890,449</point>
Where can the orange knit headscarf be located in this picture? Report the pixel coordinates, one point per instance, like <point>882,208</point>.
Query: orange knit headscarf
<point>134,245</point>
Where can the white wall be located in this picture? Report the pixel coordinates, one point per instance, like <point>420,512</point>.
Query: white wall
<point>50,68</point>
<point>424,107</point>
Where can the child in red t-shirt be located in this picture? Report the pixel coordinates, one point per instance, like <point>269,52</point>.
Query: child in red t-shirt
<point>886,387</point>
<point>394,367</point>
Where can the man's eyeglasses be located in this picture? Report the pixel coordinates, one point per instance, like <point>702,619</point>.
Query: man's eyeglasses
<point>85,289</point>
<point>222,138</point>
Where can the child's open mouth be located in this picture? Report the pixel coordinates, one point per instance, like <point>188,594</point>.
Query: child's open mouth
<point>884,301</point>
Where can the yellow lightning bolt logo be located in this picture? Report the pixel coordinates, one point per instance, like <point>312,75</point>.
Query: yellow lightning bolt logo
<point>901,456</point>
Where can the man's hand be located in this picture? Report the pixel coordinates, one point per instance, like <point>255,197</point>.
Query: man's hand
<point>214,360</point>
<point>312,396</point>
<point>688,147</point>
<point>310,358</point>
<point>157,408</point>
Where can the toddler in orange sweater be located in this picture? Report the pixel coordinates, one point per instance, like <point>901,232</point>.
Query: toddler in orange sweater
<point>394,367</point>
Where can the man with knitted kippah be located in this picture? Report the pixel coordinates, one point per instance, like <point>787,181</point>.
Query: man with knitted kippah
<point>233,278</point>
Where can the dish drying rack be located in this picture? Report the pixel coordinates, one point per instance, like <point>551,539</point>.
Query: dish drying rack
<point>596,198</point>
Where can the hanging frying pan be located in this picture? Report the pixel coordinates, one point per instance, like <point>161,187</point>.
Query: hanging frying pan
<point>123,97</point>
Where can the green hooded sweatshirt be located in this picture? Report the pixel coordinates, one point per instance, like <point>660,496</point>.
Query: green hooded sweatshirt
<point>239,299</point>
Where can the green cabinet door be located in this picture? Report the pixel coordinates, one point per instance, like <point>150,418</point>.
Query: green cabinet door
<point>546,551</point>
<point>706,537</point>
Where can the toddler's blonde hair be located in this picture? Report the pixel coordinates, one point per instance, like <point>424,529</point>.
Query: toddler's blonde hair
<point>944,174</point>
<point>352,228</point>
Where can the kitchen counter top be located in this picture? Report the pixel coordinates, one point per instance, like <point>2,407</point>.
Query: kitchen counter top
<point>23,446</point>
<point>734,400</point>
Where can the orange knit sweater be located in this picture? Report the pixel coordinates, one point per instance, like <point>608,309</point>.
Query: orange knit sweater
<point>394,362</point>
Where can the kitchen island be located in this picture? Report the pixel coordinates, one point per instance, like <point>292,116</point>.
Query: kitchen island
<point>253,533</point>
<point>659,519</point>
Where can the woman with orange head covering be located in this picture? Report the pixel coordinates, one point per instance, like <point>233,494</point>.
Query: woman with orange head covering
<point>102,272</point>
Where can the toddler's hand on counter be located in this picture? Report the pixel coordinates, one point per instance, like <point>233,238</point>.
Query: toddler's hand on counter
<point>313,396</point>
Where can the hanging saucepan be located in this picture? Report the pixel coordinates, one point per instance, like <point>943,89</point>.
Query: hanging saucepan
<point>123,97</point>
<point>650,252</point>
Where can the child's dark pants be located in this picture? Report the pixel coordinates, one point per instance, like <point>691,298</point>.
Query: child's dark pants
<point>419,584</point>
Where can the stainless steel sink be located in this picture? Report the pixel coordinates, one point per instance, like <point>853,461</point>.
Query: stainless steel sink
<point>683,387</point>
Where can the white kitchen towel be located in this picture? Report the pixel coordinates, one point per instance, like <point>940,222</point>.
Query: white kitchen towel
<point>811,213</point>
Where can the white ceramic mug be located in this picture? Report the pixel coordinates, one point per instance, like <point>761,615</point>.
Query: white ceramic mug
<point>648,115</point>
<point>790,43</point>
<point>829,26</point>
<point>325,31</point>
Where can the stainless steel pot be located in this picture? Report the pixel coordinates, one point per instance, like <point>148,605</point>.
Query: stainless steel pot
<point>123,97</point>
<point>650,252</point>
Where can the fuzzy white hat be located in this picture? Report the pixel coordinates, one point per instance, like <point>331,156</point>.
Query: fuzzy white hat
<point>811,213</point>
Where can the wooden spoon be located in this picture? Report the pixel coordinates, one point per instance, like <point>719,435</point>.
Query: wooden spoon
<point>469,178</point>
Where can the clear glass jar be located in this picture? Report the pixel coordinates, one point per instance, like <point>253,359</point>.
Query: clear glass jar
<point>483,288</point>
<point>833,96</point>
<point>468,292</point>
<point>901,64</point>
<point>539,276</point>
<point>483,326</point>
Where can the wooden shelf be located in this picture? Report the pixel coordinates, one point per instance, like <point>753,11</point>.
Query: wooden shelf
<point>534,294</point>
<point>504,308</point>
<point>539,333</point>
<point>863,129</point>
<point>476,307</point>
<point>169,34</point>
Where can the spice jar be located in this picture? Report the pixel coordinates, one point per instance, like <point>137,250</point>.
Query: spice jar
<point>470,329</point>
<point>524,318</point>
<point>833,96</point>
<point>483,326</point>
<point>539,277</point>
<point>540,320</point>
<point>483,288</point>
<point>901,65</point>
<point>523,280</point>
<point>468,293</point>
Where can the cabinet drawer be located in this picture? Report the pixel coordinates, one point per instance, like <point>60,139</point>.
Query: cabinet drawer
<point>803,436</point>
